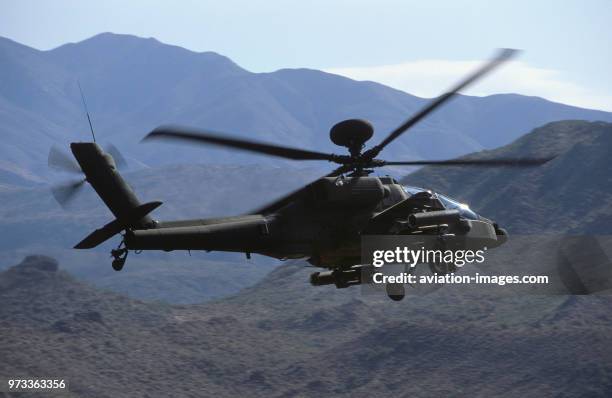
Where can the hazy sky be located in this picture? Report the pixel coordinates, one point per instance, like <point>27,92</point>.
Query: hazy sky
<point>420,47</point>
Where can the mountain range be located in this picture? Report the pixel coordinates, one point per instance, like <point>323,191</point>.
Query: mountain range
<point>134,84</point>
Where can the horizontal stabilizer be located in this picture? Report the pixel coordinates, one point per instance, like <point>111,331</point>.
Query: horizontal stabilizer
<point>114,227</point>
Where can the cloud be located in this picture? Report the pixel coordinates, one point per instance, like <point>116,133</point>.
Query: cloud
<point>429,78</point>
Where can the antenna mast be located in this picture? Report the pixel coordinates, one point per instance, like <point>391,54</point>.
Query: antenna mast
<point>86,111</point>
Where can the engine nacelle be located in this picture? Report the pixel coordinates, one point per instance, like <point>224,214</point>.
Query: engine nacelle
<point>348,192</point>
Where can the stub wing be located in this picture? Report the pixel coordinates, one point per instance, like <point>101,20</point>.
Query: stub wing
<point>383,221</point>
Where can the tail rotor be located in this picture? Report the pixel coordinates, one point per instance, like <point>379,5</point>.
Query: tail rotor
<point>65,192</point>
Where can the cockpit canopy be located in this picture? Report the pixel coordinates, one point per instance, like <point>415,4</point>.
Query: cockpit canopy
<point>447,202</point>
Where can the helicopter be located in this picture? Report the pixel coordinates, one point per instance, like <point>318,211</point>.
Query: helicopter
<point>321,222</point>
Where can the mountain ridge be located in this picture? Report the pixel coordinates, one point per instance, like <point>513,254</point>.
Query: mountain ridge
<point>133,85</point>
<point>570,194</point>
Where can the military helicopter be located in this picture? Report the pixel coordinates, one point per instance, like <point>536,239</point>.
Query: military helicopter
<point>321,222</point>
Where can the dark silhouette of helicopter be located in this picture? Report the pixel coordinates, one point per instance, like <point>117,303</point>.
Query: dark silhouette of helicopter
<point>321,222</point>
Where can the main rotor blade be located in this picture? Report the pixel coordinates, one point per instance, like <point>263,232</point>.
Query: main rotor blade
<point>501,162</point>
<point>63,162</point>
<point>65,193</point>
<point>205,137</point>
<point>117,156</point>
<point>501,57</point>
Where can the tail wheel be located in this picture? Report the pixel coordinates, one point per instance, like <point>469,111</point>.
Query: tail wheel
<point>119,256</point>
<point>118,264</point>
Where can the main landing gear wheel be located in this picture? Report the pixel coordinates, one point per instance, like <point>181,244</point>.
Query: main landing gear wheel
<point>442,268</point>
<point>395,291</point>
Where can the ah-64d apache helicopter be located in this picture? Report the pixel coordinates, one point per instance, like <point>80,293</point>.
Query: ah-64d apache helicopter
<point>321,222</point>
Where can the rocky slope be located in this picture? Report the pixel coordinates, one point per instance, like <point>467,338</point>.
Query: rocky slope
<point>283,338</point>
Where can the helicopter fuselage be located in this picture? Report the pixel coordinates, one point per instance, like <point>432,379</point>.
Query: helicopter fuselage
<point>323,222</point>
